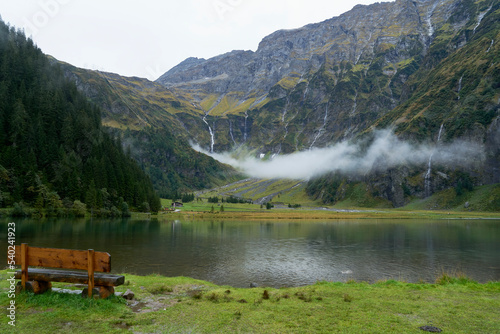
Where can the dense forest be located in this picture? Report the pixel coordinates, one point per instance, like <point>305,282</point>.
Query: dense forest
<point>54,154</point>
<point>142,114</point>
<point>173,166</point>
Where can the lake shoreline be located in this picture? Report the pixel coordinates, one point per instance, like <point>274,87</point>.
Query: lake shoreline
<point>254,212</point>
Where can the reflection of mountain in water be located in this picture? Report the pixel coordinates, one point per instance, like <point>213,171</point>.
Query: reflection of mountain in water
<point>280,254</point>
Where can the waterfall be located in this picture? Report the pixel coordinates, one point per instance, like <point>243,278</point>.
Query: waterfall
<point>286,131</point>
<point>459,88</point>
<point>353,111</point>
<point>211,134</point>
<point>480,18</point>
<point>492,41</point>
<point>430,30</point>
<point>285,110</point>
<point>427,181</point>
<point>231,131</point>
<point>245,131</point>
<point>320,131</point>
<point>305,91</point>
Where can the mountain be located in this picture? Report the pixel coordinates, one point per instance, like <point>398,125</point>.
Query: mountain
<point>422,68</point>
<point>144,115</point>
<point>54,153</point>
<point>428,70</point>
<point>328,81</point>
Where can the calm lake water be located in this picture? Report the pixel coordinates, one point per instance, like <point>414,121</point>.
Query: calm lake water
<point>276,254</point>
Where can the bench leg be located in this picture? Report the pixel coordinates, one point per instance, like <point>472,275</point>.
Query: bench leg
<point>36,287</point>
<point>105,291</point>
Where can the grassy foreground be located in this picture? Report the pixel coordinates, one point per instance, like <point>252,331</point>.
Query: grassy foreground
<point>184,305</point>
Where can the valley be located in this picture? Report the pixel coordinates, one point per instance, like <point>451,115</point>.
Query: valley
<point>427,71</point>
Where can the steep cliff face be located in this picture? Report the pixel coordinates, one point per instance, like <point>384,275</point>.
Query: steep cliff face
<point>324,82</point>
<point>413,66</point>
<point>354,37</point>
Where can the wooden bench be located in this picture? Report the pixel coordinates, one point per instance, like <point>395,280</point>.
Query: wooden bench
<point>39,280</point>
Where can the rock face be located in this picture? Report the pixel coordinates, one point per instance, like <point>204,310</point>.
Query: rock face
<point>410,65</point>
<point>413,66</point>
<point>353,37</point>
<point>324,82</point>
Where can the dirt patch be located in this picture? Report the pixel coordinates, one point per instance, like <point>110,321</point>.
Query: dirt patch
<point>150,304</point>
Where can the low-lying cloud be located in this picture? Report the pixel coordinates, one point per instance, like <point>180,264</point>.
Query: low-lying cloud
<point>383,152</point>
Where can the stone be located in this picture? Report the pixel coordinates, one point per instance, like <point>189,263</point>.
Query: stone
<point>431,329</point>
<point>95,292</point>
<point>129,295</point>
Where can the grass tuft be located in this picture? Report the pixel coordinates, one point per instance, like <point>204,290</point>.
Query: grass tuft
<point>457,277</point>
<point>347,298</point>
<point>159,289</point>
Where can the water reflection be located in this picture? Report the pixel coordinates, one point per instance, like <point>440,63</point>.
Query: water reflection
<point>279,253</point>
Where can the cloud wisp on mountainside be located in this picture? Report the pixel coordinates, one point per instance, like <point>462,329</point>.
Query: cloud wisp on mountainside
<point>384,151</point>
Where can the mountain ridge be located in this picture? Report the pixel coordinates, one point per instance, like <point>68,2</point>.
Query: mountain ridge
<point>412,66</point>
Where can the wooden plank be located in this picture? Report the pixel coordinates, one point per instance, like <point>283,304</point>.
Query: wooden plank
<point>54,275</point>
<point>90,270</point>
<point>64,258</point>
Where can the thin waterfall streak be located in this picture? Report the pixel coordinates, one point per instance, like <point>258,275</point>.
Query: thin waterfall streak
<point>427,180</point>
<point>321,129</point>
<point>212,139</point>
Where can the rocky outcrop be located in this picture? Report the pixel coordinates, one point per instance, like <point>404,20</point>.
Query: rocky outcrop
<point>355,65</point>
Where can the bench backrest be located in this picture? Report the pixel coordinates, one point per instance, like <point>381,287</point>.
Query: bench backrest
<point>64,258</point>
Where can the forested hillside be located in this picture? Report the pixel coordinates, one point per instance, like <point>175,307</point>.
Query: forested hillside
<point>173,166</point>
<point>54,153</point>
<point>144,114</point>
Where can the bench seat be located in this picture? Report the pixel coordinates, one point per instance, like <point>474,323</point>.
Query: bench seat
<point>54,275</point>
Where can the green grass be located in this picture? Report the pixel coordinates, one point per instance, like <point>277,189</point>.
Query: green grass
<point>184,305</point>
<point>483,198</point>
<point>286,191</point>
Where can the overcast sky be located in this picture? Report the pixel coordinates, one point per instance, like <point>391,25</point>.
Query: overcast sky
<point>148,37</point>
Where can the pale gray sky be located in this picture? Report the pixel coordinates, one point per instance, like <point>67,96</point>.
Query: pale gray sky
<point>148,37</point>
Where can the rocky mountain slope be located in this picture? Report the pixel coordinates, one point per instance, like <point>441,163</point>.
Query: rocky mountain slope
<point>143,114</point>
<point>328,81</point>
<point>427,69</point>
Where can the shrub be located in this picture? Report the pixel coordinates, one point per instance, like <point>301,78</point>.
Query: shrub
<point>79,209</point>
<point>19,210</point>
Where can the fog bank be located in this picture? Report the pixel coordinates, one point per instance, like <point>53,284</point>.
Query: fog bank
<point>383,152</point>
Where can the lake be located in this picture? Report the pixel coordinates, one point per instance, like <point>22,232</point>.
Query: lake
<point>279,253</point>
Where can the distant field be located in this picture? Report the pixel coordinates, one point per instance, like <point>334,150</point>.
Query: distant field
<point>480,203</point>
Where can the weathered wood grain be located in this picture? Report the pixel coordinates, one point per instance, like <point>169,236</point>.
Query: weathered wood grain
<point>36,287</point>
<point>54,275</point>
<point>63,258</point>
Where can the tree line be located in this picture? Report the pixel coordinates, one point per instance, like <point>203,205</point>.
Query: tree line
<point>54,154</point>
